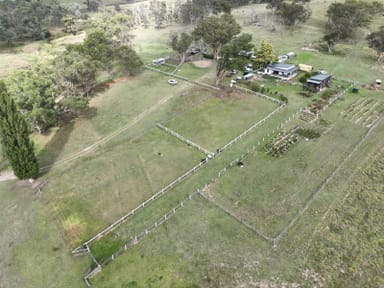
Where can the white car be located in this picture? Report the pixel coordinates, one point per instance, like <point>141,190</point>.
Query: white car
<point>172,82</point>
<point>248,76</point>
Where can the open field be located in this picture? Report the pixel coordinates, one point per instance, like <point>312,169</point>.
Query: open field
<point>116,181</point>
<point>105,163</point>
<point>268,191</point>
<point>218,120</point>
<point>129,109</point>
<point>203,247</point>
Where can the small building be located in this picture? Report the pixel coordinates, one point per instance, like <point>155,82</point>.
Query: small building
<point>248,76</point>
<point>282,59</point>
<point>159,61</point>
<point>291,54</point>
<point>319,81</point>
<point>305,67</point>
<point>281,70</point>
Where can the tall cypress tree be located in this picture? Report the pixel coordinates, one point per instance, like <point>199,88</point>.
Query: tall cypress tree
<point>14,134</point>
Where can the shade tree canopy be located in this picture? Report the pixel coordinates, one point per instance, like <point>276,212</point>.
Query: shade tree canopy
<point>28,20</point>
<point>230,57</point>
<point>265,54</point>
<point>293,13</point>
<point>376,42</point>
<point>345,18</point>
<point>217,31</point>
<point>180,43</point>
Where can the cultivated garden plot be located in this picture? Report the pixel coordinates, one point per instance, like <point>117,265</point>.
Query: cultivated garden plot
<point>364,111</point>
<point>116,181</point>
<point>268,191</point>
<point>220,119</point>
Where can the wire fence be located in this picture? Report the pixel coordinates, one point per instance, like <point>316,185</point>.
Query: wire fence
<point>185,140</point>
<point>325,182</point>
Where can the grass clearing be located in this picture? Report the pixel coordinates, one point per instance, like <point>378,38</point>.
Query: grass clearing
<point>180,253</point>
<point>191,71</point>
<point>184,255</point>
<point>201,246</point>
<point>268,191</point>
<point>116,181</point>
<point>218,120</point>
<point>143,103</point>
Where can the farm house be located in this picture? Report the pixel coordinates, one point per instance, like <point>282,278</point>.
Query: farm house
<point>280,70</point>
<point>319,81</point>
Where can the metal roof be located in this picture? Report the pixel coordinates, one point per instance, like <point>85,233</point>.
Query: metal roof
<point>282,67</point>
<point>319,78</point>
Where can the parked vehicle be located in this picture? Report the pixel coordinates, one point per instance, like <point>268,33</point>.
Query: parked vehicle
<point>195,51</point>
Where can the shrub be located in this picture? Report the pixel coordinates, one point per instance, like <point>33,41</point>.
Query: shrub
<point>303,79</point>
<point>283,98</point>
<point>208,56</point>
<point>254,86</point>
<point>262,90</point>
<point>308,133</point>
<point>328,93</point>
<point>306,93</point>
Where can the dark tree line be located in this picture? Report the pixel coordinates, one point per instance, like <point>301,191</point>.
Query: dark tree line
<point>194,11</point>
<point>289,13</point>
<point>28,20</point>
<point>376,42</point>
<point>63,85</point>
<point>345,18</point>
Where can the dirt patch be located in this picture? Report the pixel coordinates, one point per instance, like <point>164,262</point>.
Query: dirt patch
<point>227,92</point>
<point>7,175</point>
<point>203,63</point>
<point>107,85</point>
<point>72,229</point>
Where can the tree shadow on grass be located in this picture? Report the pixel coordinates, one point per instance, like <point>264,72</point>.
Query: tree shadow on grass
<point>52,150</point>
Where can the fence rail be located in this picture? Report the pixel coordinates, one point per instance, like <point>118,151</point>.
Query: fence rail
<point>228,212</point>
<point>333,99</point>
<point>185,140</point>
<point>136,239</point>
<point>81,250</point>
<point>246,132</point>
<point>259,95</point>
